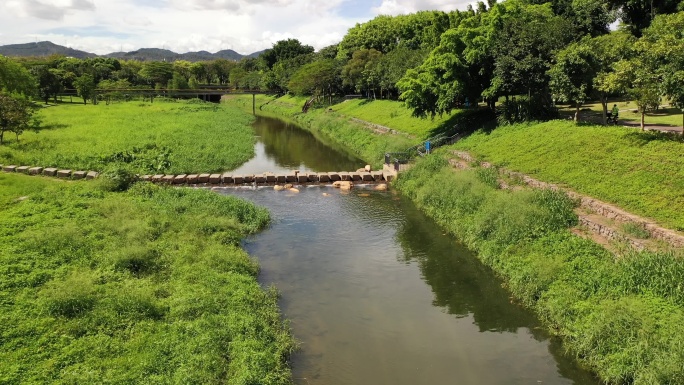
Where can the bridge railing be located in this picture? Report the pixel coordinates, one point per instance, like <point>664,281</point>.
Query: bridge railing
<point>398,158</point>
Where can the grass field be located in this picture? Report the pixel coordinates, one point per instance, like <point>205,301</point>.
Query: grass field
<point>160,137</point>
<point>642,172</point>
<point>143,286</point>
<point>622,318</point>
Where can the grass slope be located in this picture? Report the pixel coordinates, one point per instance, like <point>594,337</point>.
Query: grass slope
<point>145,286</point>
<point>165,137</point>
<point>622,318</point>
<point>642,172</point>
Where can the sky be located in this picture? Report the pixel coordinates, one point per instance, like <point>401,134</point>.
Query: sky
<point>245,26</point>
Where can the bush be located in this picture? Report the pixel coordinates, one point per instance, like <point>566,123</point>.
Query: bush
<point>117,178</point>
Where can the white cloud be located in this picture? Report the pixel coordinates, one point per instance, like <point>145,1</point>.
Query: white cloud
<point>245,26</point>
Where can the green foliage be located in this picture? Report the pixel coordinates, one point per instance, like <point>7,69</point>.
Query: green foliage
<point>133,287</point>
<point>15,78</point>
<point>284,50</point>
<point>116,178</point>
<point>524,109</point>
<point>85,87</point>
<point>317,78</point>
<point>640,172</point>
<point>620,318</point>
<point>16,114</point>
<point>206,137</point>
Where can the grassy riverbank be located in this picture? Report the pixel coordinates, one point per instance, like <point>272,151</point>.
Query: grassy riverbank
<point>619,317</point>
<point>642,172</point>
<point>101,282</point>
<point>144,286</point>
<point>164,136</point>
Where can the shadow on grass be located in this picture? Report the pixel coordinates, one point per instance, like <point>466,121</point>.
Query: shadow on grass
<point>466,122</point>
<point>641,138</point>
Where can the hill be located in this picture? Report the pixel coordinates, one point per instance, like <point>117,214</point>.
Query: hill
<point>46,48</point>
<point>42,48</point>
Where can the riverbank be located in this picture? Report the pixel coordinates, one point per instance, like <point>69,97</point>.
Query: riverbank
<point>619,317</point>
<point>108,281</point>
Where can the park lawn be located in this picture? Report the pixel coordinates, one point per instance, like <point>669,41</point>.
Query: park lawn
<point>149,285</point>
<point>642,172</point>
<point>160,137</point>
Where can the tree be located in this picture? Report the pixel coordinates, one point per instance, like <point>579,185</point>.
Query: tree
<point>608,50</point>
<point>157,73</point>
<point>361,72</point>
<point>49,83</point>
<point>639,79</point>
<point>15,78</point>
<point>16,114</point>
<point>317,78</point>
<point>85,86</point>
<point>638,14</point>
<point>664,42</point>
<point>285,49</point>
<point>572,76</point>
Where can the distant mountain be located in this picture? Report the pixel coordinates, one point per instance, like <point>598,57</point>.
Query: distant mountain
<point>42,48</point>
<point>46,48</point>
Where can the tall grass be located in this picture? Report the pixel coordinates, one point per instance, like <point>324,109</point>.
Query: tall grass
<point>622,318</point>
<point>162,137</point>
<point>143,286</point>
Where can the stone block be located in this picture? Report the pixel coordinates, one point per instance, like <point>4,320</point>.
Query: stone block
<point>238,179</point>
<point>227,179</point>
<point>323,177</point>
<point>344,176</point>
<point>302,178</point>
<point>79,175</point>
<point>11,168</point>
<point>192,179</point>
<point>168,179</point>
<point>334,176</point>
<point>215,178</point>
<point>270,177</point>
<point>291,178</point>
<point>92,175</point>
<point>260,178</point>
<point>313,177</point>
<point>22,169</point>
<point>248,178</point>
<point>377,175</point>
<point>180,179</point>
<point>157,178</point>
<point>355,176</point>
<point>64,174</point>
<point>367,177</point>
<point>281,178</point>
<point>203,178</point>
<point>146,178</point>
<point>35,170</point>
<point>50,171</point>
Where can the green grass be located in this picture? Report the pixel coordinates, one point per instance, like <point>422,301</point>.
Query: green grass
<point>144,286</point>
<point>162,137</point>
<point>622,318</point>
<point>393,114</point>
<point>639,171</point>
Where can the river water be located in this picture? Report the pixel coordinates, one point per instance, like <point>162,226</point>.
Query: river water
<point>376,293</point>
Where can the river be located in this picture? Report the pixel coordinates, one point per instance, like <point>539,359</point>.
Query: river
<point>376,293</point>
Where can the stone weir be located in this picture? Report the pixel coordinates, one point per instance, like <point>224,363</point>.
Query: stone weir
<point>269,178</point>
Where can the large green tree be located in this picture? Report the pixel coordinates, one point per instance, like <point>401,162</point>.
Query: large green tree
<point>572,75</point>
<point>85,86</point>
<point>14,78</point>
<point>283,50</point>
<point>317,78</point>
<point>16,114</point>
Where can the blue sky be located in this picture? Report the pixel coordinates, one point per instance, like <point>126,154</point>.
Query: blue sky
<point>246,26</point>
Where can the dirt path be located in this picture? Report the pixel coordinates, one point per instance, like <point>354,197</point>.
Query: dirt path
<point>606,224</point>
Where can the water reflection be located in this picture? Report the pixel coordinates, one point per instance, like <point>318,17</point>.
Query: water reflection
<point>283,147</point>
